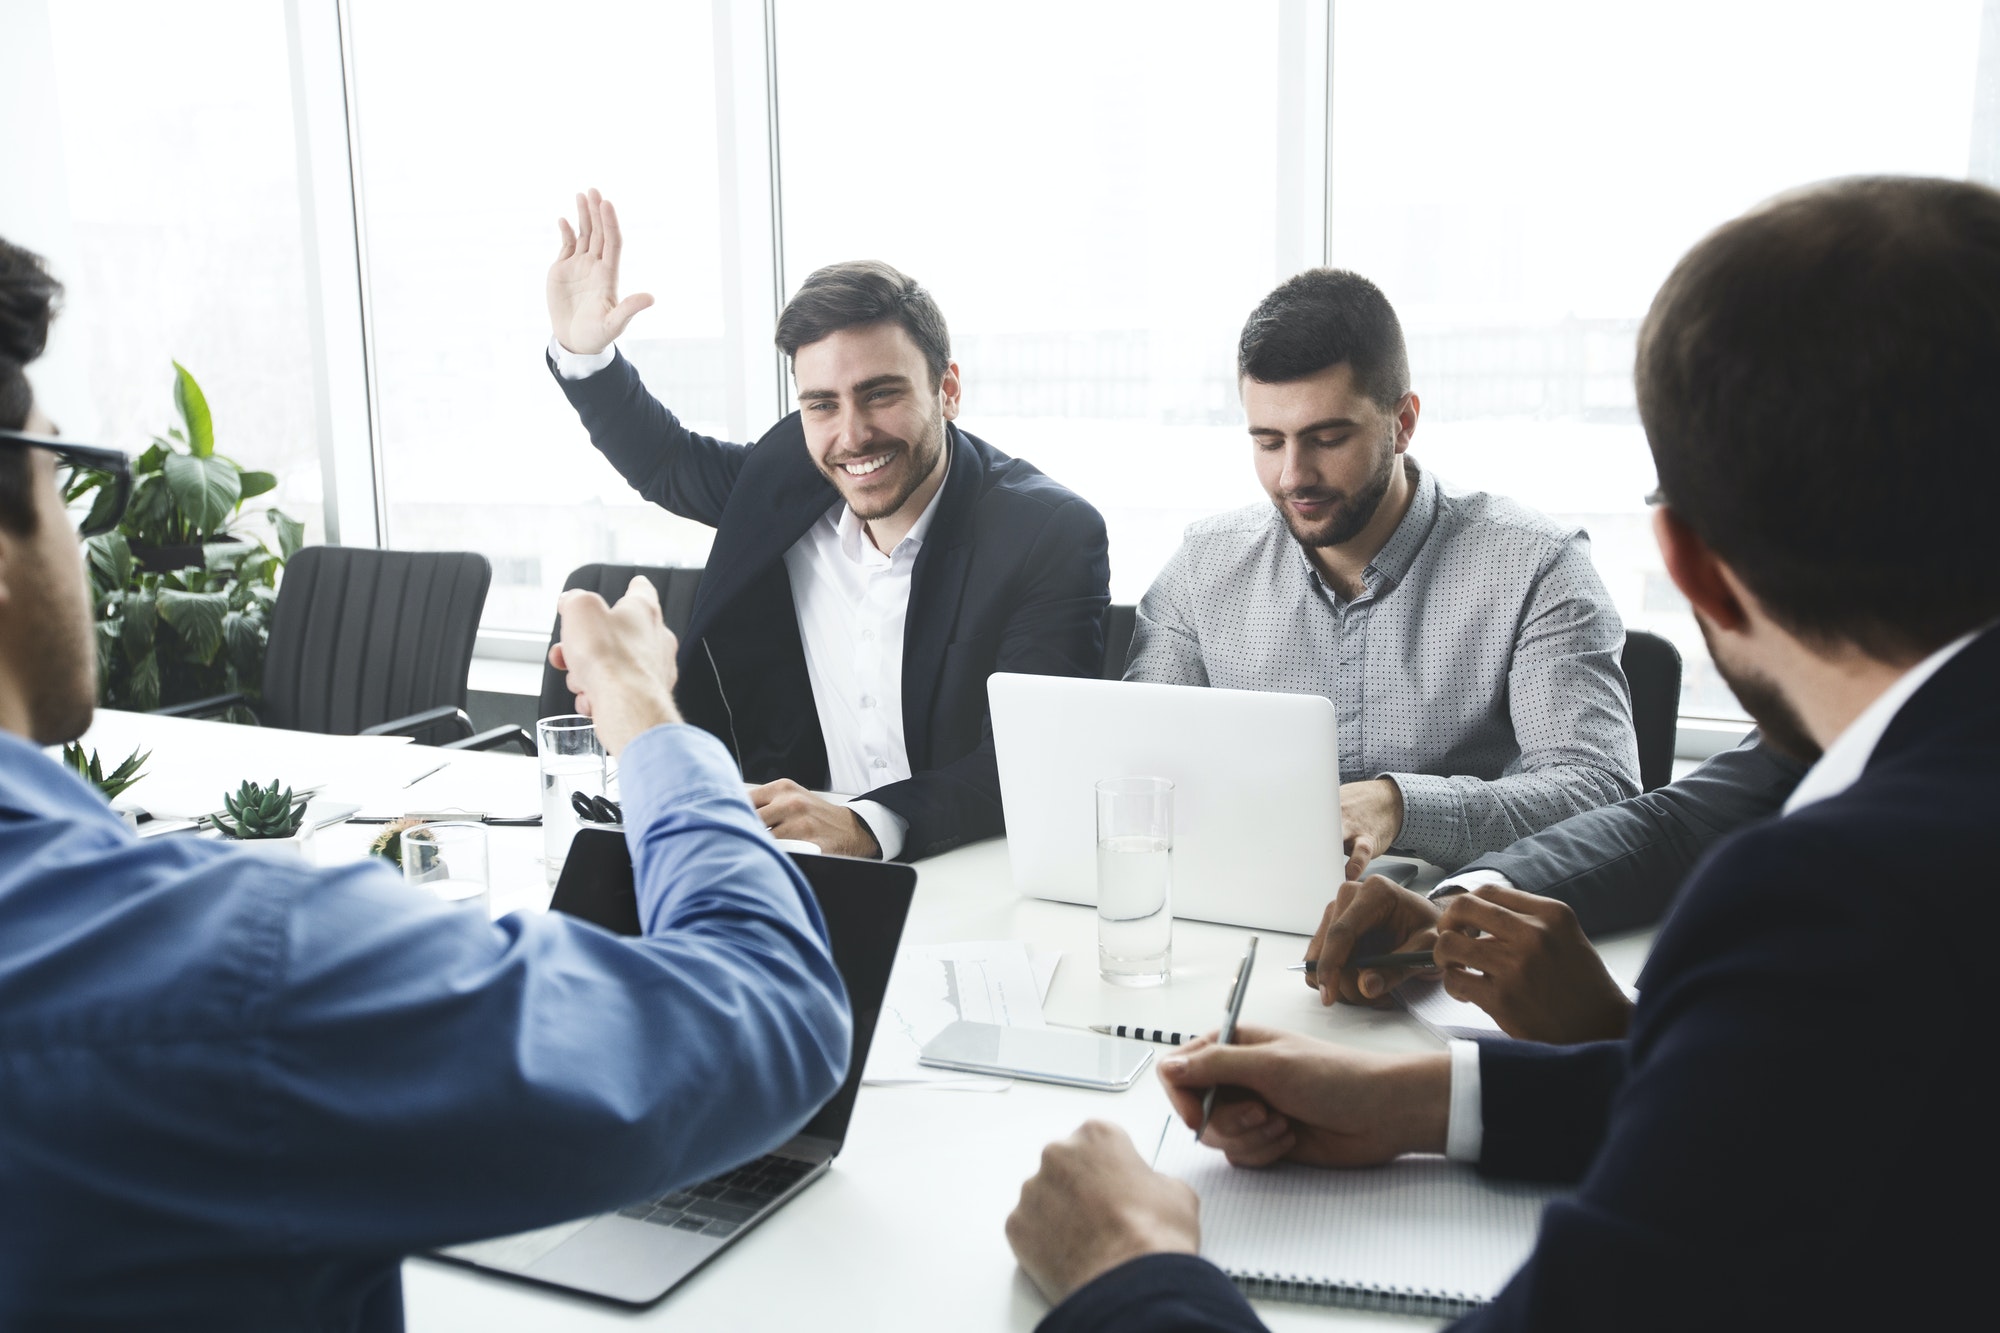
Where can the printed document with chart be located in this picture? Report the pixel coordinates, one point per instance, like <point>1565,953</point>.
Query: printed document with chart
<point>983,981</point>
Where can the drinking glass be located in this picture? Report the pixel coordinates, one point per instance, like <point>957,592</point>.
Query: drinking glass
<point>1135,876</point>
<point>449,860</point>
<point>572,761</point>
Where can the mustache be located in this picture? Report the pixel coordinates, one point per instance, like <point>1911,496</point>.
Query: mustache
<point>885,446</point>
<point>1312,497</point>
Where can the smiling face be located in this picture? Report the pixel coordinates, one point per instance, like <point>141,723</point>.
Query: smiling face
<point>1325,451</point>
<point>873,422</point>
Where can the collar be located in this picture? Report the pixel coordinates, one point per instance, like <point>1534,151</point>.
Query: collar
<point>853,533</point>
<point>1840,767</point>
<point>1393,561</point>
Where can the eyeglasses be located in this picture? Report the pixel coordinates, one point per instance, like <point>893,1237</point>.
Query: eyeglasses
<point>80,470</point>
<point>1657,496</point>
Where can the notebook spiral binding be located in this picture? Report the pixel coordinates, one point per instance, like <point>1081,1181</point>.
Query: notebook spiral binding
<point>1391,1300</point>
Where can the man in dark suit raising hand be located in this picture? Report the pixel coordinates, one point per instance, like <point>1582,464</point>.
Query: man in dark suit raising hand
<point>873,563</point>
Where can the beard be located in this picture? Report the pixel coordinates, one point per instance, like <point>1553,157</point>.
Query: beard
<point>1777,721</point>
<point>917,460</point>
<point>1351,513</point>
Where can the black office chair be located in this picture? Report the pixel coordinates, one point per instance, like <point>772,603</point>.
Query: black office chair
<point>1119,622</point>
<point>370,643</point>
<point>675,586</point>
<point>1653,668</point>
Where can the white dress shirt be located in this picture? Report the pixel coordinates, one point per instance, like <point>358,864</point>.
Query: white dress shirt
<point>1837,770</point>
<point>851,601</point>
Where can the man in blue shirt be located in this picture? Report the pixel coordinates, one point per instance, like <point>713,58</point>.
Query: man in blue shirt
<point>235,1092</point>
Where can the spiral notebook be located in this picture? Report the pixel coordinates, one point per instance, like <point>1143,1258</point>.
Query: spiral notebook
<point>1421,1235</point>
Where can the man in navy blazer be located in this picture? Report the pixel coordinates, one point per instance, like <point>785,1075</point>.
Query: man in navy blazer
<point>873,563</point>
<point>1791,1134</point>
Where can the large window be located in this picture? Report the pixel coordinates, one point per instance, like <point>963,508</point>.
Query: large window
<point>1095,195</point>
<point>1520,178</point>
<point>475,133</point>
<point>162,190</point>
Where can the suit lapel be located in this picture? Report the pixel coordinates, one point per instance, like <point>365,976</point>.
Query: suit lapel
<point>777,498</point>
<point>935,587</point>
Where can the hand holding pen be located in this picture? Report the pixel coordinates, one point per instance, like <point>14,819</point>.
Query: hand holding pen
<point>1365,940</point>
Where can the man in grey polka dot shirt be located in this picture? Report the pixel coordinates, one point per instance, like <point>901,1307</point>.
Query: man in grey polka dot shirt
<point>1466,641</point>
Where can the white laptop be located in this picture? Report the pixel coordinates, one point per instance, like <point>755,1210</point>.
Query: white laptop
<point>1256,791</point>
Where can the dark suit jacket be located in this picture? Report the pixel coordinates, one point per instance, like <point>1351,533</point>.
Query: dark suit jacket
<point>1793,1136</point>
<point>1620,865</point>
<point>1014,576</point>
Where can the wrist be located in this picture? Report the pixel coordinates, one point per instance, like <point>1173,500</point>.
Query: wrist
<point>1420,1092</point>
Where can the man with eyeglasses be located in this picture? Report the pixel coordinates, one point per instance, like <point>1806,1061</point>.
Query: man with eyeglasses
<point>235,1091</point>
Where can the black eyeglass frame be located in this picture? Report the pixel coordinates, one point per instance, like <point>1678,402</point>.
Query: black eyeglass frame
<point>114,464</point>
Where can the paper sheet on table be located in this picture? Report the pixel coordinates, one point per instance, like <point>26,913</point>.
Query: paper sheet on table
<point>1431,1005</point>
<point>194,764</point>
<point>989,981</point>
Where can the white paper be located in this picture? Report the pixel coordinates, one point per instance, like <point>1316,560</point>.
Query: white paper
<point>985,981</point>
<point>1430,1004</point>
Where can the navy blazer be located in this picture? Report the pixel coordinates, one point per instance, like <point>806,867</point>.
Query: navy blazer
<point>1793,1133</point>
<point>1013,576</point>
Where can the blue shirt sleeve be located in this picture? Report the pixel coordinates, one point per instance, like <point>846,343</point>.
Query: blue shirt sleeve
<point>424,1076</point>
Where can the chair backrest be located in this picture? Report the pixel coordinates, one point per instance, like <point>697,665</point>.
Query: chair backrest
<point>360,636</point>
<point>675,586</point>
<point>1119,622</point>
<point>1653,668</point>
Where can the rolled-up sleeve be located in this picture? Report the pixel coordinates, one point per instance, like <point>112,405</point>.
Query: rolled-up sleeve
<point>1572,719</point>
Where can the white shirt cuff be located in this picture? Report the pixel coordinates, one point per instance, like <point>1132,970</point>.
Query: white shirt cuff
<point>579,365</point>
<point>1465,883</point>
<point>888,827</point>
<point>1465,1130</point>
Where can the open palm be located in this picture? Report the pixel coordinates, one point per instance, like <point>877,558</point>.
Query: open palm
<point>584,309</point>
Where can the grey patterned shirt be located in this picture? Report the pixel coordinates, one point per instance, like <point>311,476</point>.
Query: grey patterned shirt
<point>1479,669</point>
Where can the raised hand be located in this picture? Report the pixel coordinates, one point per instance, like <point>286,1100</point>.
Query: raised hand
<point>618,661</point>
<point>584,309</point>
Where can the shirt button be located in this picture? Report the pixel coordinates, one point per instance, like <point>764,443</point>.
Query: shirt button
<point>868,636</point>
<point>881,763</point>
<point>867,701</point>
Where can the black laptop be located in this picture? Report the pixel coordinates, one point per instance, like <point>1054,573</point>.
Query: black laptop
<point>639,1253</point>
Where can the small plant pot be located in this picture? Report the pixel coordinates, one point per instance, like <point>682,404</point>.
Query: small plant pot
<point>296,847</point>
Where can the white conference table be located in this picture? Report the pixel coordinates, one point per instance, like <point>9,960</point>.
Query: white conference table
<point>906,1230</point>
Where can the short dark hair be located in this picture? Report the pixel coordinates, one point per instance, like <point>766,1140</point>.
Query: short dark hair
<point>29,298</point>
<point>865,291</point>
<point>1320,318</point>
<point>1820,385</point>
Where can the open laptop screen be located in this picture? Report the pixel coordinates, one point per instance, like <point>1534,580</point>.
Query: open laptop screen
<point>864,903</point>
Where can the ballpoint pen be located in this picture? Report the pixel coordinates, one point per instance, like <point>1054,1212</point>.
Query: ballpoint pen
<point>1423,959</point>
<point>1228,1034</point>
<point>1135,1033</point>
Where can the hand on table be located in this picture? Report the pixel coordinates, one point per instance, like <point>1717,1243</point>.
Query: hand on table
<point>1093,1205</point>
<point>790,811</point>
<point>1372,810</point>
<point>1374,915</point>
<point>1532,968</point>
<point>584,308</point>
<point>1310,1101</point>
<point>618,660</point>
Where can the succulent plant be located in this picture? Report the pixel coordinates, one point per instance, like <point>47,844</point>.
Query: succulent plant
<point>261,812</point>
<point>90,770</point>
<point>388,843</point>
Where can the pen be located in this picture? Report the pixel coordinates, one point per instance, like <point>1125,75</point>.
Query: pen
<point>1228,1034</point>
<point>1423,959</point>
<point>1142,1034</point>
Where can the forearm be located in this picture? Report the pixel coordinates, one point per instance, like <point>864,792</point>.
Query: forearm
<point>686,473</point>
<point>1450,820</point>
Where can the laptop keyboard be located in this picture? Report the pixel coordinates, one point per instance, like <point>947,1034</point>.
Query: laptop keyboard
<point>720,1207</point>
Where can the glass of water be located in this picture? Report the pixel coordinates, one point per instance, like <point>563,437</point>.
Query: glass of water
<point>449,860</point>
<point>572,761</point>
<point>1135,878</point>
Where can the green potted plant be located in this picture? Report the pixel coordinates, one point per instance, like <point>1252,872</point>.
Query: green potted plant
<point>88,767</point>
<point>266,817</point>
<point>182,602</point>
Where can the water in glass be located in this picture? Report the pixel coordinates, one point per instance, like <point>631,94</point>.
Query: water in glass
<point>1135,923</point>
